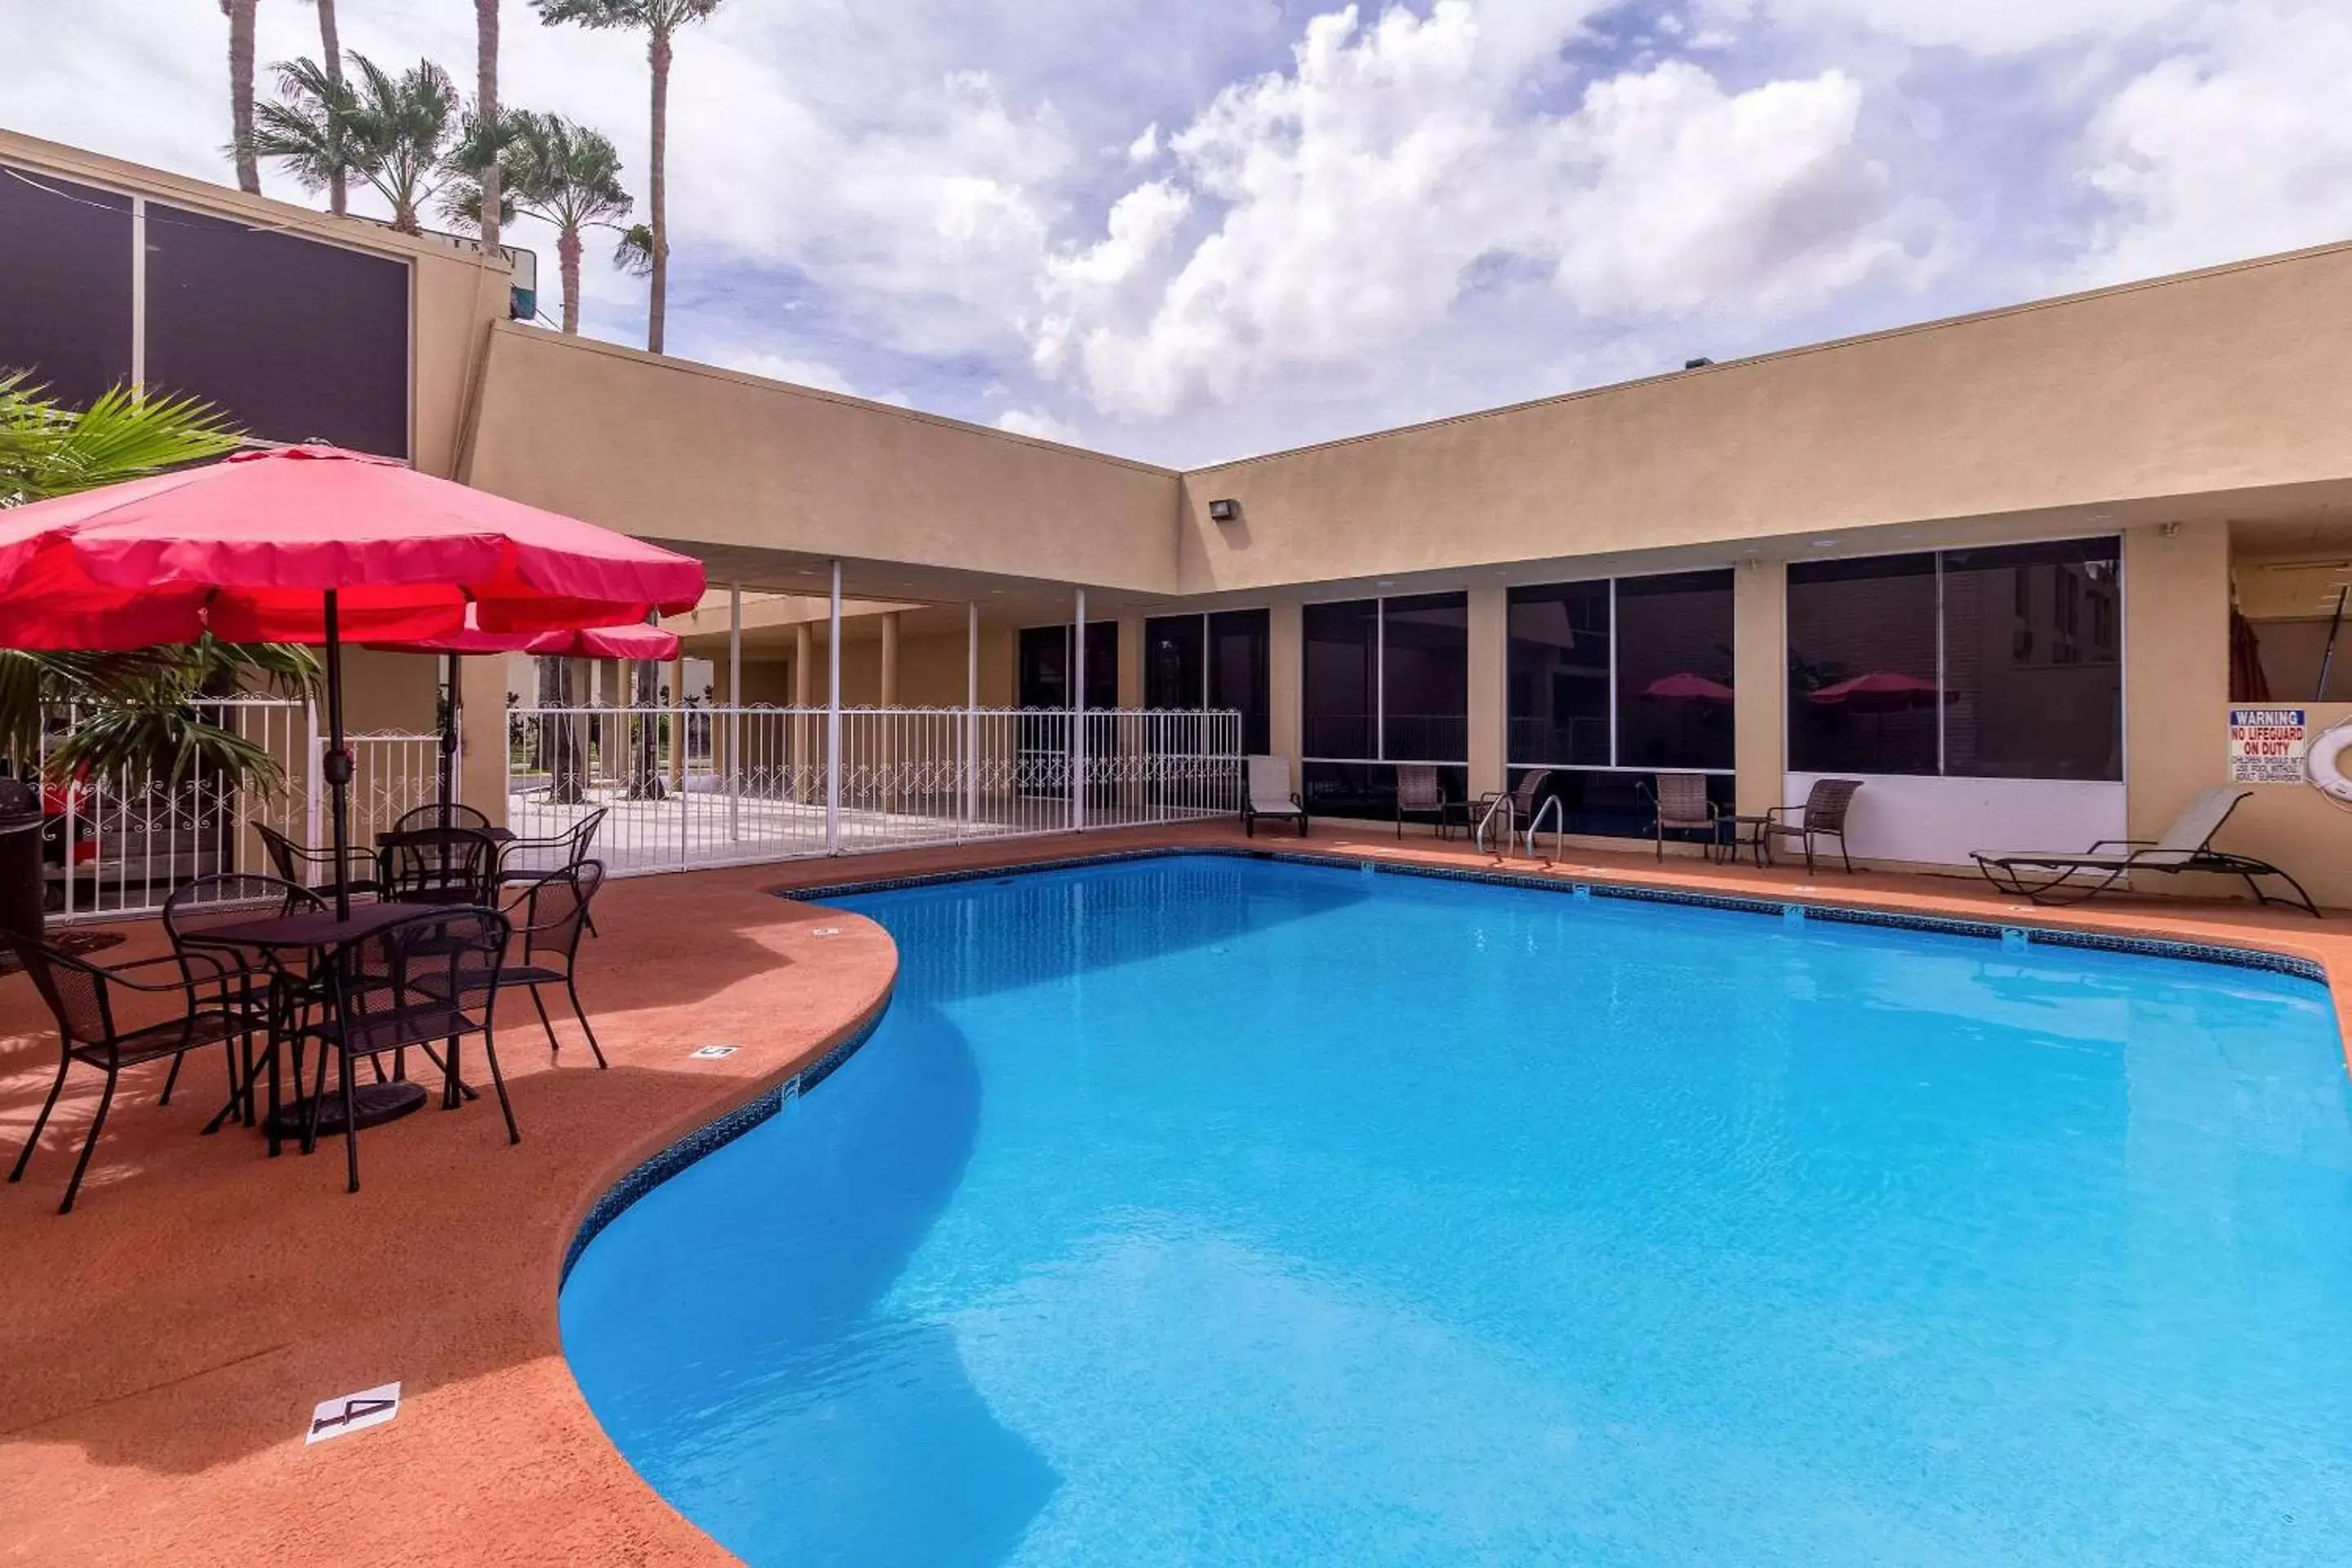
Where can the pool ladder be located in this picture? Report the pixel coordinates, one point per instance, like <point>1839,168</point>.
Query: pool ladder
<point>1550,809</point>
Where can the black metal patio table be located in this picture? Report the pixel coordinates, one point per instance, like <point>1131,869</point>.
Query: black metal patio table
<point>322,932</point>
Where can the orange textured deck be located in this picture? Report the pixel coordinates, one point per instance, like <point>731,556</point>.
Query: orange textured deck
<point>161,1348</point>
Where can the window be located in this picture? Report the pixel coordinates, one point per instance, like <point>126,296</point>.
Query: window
<point>1558,674</point>
<point>2002,662</point>
<point>296,340</point>
<point>1044,665</point>
<point>1385,681</point>
<point>1339,685</point>
<point>1220,661</point>
<point>1673,671</point>
<point>1425,678</point>
<point>2032,662</point>
<point>65,316</point>
<point>1633,673</point>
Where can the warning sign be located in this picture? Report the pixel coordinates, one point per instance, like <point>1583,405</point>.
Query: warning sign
<point>2266,745</point>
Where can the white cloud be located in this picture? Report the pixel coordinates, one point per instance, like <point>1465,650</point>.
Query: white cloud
<point>2237,145</point>
<point>1985,26</point>
<point>1145,147</point>
<point>1360,195</point>
<point>1039,422</point>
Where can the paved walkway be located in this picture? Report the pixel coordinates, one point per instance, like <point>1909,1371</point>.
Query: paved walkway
<point>162,1348</point>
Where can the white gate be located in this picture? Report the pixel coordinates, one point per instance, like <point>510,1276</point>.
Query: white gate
<point>716,787</point>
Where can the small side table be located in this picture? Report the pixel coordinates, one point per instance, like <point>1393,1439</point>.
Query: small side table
<point>1751,833</point>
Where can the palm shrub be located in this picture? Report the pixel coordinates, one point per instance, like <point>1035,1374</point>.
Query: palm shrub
<point>140,712</point>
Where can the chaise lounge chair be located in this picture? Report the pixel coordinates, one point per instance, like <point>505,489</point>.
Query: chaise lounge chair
<point>2187,846</point>
<point>1270,795</point>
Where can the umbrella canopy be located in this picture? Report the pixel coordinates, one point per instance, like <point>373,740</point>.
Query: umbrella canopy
<point>1688,686</point>
<point>1880,691</point>
<point>248,548</point>
<point>599,642</point>
<point>315,544</point>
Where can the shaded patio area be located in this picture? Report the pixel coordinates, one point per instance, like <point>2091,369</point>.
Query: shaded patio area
<point>162,1348</point>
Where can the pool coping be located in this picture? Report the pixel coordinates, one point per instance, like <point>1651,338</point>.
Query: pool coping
<point>642,1179</point>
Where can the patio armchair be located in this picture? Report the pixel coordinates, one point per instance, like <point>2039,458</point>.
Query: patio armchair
<point>524,860</point>
<point>242,985</point>
<point>2186,846</point>
<point>1821,816</point>
<point>438,816</point>
<point>1270,795</point>
<point>550,916</point>
<point>316,869</point>
<point>82,998</point>
<point>1681,806</point>
<point>1419,792</point>
<point>438,866</point>
<point>403,986</point>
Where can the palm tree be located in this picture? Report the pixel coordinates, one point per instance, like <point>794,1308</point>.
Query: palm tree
<point>402,128</point>
<point>331,53</point>
<point>567,176</point>
<point>659,20</point>
<point>486,107</point>
<point>240,93</point>
<point>311,127</point>
<point>141,706</point>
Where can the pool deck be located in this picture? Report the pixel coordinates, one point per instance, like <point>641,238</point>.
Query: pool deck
<point>162,1348</point>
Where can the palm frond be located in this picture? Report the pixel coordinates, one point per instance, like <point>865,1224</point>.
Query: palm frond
<point>48,450</point>
<point>633,252</point>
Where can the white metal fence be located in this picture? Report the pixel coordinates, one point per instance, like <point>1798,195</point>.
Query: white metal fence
<point>715,786</point>
<point>116,844</point>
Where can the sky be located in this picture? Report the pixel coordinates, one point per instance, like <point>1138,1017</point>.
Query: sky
<point>1190,232</point>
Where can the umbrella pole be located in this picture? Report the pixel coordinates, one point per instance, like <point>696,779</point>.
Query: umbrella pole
<point>449,740</point>
<point>338,764</point>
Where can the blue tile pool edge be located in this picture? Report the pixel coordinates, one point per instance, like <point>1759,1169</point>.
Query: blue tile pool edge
<point>1950,925</point>
<point>725,1129</point>
<point>712,1137</point>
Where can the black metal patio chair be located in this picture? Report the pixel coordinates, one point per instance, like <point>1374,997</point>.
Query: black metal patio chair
<point>404,985</point>
<point>438,866</point>
<point>525,860</point>
<point>550,916</point>
<point>240,983</point>
<point>316,869</point>
<point>81,998</point>
<point>438,816</point>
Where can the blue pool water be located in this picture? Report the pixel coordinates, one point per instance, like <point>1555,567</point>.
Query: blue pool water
<point>1216,1211</point>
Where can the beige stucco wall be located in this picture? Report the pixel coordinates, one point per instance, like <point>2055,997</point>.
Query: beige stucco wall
<point>2177,667</point>
<point>670,450</point>
<point>2214,382</point>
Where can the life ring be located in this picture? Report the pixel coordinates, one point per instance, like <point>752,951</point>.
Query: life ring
<point>2325,760</point>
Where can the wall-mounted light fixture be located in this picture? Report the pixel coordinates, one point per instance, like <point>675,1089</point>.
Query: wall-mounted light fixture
<point>1225,511</point>
<point>1696,363</point>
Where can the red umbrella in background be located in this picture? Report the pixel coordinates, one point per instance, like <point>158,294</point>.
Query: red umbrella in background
<point>315,544</point>
<point>1880,691</point>
<point>1686,686</point>
<point>599,642</point>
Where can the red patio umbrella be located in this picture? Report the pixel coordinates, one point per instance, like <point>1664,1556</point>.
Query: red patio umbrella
<point>315,544</point>
<point>1686,686</point>
<point>598,642</point>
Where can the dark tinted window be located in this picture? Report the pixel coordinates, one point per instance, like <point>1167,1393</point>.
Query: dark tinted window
<point>1172,667</point>
<point>2032,657</point>
<point>1366,790</point>
<point>295,339</point>
<point>1558,674</point>
<point>1425,685</point>
<point>1615,803</point>
<point>1240,665</point>
<point>1861,666</point>
<point>1338,685</point>
<point>1674,670</point>
<point>1045,667</point>
<point>65,285</point>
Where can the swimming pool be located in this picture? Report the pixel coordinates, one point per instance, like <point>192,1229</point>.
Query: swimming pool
<point>1213,1211</point>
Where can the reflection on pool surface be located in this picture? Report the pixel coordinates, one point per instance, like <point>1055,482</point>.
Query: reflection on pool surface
<point>1220,1212</point>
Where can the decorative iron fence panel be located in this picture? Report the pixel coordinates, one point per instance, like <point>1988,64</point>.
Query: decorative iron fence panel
<point>115,844</point>
<point>758,783</point>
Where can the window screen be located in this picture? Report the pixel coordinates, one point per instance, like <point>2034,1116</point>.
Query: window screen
<point>295,339</point>
<point>1861,666</point>
<point>1339,688</point>
<point>2033,658</point>
<point>65,309</point>
<point>1558,674</point>
<point>1674,670</point>
<point>1425,686</point>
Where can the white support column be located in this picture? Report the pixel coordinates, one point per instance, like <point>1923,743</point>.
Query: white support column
<point>833,721</point>
<point>734,775</point>
<point>1079,717</point>
<point>971,713</point>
